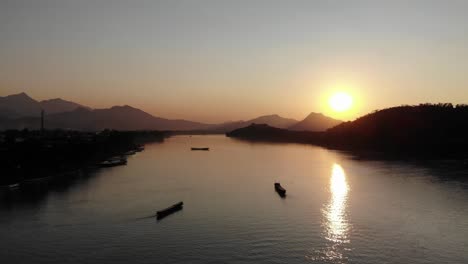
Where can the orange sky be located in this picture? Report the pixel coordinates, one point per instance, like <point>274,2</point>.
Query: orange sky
<point>215,61</point>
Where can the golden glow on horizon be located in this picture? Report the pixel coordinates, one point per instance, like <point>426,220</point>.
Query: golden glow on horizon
<point>340,101</point>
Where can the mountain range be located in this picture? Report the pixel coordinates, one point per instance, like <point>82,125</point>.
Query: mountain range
<point>21,105</point>
<point>21,111</point>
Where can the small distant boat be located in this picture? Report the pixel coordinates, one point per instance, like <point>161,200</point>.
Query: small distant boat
<point>131,152</point>
<point>139,149</point>
<point>170,210</point>
<point>279,189</point>
<point>14,186</point>
<point>112,162</point>
<point>37,180</point>
<point>205,149</point>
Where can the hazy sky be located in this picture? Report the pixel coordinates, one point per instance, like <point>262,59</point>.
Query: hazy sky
<point>227,60</point>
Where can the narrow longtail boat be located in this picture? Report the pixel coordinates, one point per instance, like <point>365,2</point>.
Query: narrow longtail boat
<point>169,210</point>
<point>280,190</point>
<point>112,162</point>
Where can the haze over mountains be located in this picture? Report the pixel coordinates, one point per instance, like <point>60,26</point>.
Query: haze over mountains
<point>315,122</point>
<point>272,120</point>
<point>21,111</point>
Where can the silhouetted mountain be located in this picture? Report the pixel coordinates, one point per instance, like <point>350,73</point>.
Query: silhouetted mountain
<point>264,132</point>
<point>315,122</point>
<point>274,121</point>
<point>58,105</point>
<point>21,105</point>
<point>271,120</point>
<point>427,130</point>
<point>21,111</point>
<point>424,127</point>
<point>117,117</point>
<point>6,113</point>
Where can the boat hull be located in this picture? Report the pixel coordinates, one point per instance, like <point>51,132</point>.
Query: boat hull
<point>139,149</point>
<point>107,164</point>
<point>280,190</point>
<point>14,186</point>
<point>170,210</point>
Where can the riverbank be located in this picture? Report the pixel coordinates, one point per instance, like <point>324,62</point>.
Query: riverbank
<point>361,147</point>
<point>35,156</point>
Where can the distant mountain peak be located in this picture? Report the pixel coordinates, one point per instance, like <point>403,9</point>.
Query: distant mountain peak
<point>125,107</point>
<point>19,105</point>
<point>315,114</point>
<point>58,105</point>
<point>315,122</point>
<point>23,111</point>
<point>21,95</point>
<point>22,105</point>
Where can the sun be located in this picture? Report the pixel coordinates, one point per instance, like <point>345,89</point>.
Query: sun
<point>341,102</point>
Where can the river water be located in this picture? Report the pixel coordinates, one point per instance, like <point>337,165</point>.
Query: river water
<point>337,209</point>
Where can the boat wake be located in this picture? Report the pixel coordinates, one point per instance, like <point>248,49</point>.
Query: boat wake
<point>145,217</point>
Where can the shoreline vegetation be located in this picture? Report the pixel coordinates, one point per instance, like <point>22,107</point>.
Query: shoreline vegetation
<point>422,131</point>
<point>30,157</point>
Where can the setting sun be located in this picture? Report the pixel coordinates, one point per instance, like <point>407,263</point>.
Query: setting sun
<point>341,102</point>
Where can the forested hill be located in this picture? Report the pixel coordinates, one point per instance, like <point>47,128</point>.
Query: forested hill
<point>425,128</point>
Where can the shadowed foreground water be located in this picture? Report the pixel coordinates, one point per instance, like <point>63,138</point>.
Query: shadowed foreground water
<point>337,209</point>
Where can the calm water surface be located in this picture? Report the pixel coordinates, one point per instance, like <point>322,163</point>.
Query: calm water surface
<point>337,209</point>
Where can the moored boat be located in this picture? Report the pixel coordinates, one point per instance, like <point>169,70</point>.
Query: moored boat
<point>205,149</point>
<point>139,149</point>
<point>131,152</point>
<point>169,210</point>
<point>112,162</point>
<point>37,180</point>
<point>14,186</point>
<point>279,189</point>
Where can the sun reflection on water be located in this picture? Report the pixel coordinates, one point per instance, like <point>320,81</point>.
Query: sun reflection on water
<point>335,220</point>
<point>337,223</point>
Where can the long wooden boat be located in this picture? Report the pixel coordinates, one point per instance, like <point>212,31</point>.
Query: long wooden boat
<point>112,163</point>
<point>169,210</point>
<point>37,180</point>
<point>279,189</point>
<point>130,152</point>
<point>14,186</point>
<point>9,187</point>
<point>205,149</point>
<point>139,149</point>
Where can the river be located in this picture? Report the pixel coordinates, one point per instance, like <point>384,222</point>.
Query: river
<point>337,209</point>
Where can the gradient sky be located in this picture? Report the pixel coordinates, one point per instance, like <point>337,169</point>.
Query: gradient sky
<point>219,60</point>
